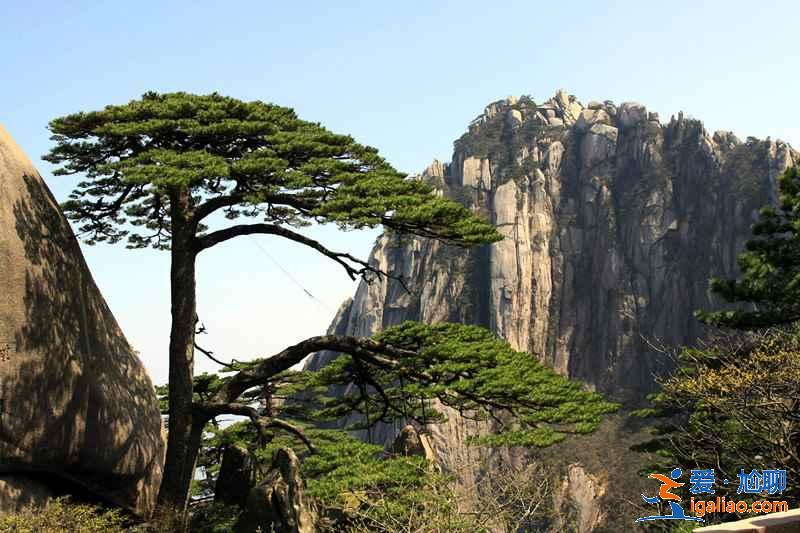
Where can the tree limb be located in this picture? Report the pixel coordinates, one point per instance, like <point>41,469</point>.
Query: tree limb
<point>365,348</point>
<point>262,423</point>
<point>352,265</point>
<point>210,355</point>
<point>213,204</point>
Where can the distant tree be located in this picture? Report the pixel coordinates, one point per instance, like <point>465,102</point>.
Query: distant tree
<point>770,266</point>
<point>157,171</point>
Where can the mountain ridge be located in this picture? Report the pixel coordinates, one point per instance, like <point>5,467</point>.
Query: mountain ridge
<point>614,223</point>
<point>549,174</point>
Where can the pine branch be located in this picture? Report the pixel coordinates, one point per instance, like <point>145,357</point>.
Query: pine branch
<point>365,348</point>
<point>262,423</point>
<point>352,265</point>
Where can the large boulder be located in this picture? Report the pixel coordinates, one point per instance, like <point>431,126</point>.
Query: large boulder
<point>631,113</point>
<point>77,407</point>
<point>20,491</point>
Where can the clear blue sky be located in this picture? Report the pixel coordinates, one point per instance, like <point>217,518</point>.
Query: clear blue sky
<point>404,77</point>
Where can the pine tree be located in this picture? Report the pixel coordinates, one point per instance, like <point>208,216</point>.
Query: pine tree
<point>157,168</point>
<point>160,169</point>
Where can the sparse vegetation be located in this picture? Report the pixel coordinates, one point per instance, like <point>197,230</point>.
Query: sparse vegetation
<point>61,515</point>
<point>732,404</point>
<point>358,487</point>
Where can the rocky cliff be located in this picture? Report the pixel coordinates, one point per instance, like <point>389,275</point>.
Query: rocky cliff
<point>614,222</point>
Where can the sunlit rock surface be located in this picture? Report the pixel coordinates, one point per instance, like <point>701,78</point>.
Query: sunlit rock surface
<point>76,405</point>
<point>279,502</point>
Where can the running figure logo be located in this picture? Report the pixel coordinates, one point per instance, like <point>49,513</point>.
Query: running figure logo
<point>665,495</point>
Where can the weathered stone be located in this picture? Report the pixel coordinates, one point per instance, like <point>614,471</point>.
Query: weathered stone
<point>76,401</point>
<point>631,113</point>
<point>570,108</point>
<point>411,442</point>
<point>514,117</point>
<point>279,504</point>
<point>19,491</point>
<point>599,144</point>
<point>581,493</point>
<point>588,117</point>
<point>477,173</point>
<point>435,170</point>
<point>235,477</point>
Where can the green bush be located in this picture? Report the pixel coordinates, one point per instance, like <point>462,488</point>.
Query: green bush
<point>61,515</point>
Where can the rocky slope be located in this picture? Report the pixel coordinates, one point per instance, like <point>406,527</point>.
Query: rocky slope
<point>614,222</point>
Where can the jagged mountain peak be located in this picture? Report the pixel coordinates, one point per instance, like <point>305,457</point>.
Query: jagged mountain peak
<point>613,226</point>
<point>614,223</point>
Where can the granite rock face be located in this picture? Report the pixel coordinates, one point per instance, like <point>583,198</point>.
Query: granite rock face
<point>578,501</point>
<point>76,405</point>
<point>614,222</point>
